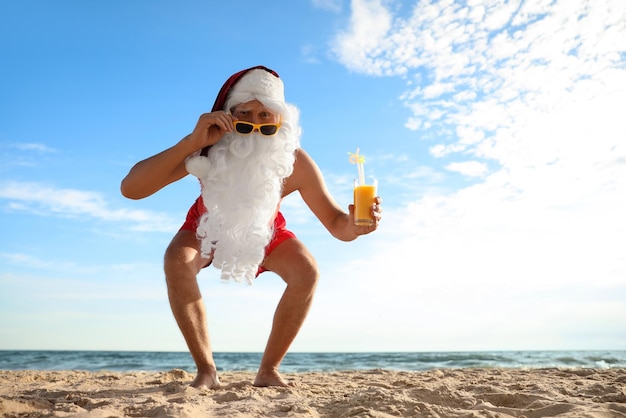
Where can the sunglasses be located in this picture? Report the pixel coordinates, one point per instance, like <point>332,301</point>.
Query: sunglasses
<point>267,129</point>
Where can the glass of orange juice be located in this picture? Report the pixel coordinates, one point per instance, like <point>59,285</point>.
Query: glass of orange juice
<point>364,194</point>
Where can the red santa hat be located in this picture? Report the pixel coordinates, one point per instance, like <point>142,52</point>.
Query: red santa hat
<point>257,82</point>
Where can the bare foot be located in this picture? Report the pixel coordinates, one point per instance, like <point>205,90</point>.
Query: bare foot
<point>271,378</point>
<point>207,379</point>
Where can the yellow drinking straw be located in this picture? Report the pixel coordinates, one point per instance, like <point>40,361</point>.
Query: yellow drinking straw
<point>358,160</point>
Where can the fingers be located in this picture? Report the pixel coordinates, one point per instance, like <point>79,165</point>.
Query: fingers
<point>219,119</point>
<point>376,214</point>
<point>210,128</point>
<point>376,209</point>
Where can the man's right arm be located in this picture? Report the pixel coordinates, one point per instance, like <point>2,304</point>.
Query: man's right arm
<point>152,174</point>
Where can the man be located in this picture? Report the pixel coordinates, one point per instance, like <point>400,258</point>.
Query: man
<point>246,154</point>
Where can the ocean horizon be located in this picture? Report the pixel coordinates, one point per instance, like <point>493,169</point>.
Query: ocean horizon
<point>124,361</point>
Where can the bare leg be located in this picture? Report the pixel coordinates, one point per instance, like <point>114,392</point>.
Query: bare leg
<point>182,264</point>
<point>292,261</point>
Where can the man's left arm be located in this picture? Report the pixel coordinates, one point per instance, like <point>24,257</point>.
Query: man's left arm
<point>312,187</point>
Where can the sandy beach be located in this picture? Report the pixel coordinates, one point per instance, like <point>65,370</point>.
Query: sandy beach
<point>445,393</point>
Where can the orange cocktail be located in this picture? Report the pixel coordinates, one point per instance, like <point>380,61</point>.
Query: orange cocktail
<point>364,195</point>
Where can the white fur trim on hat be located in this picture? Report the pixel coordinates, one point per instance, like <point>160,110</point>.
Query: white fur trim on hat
<point>256,84</point>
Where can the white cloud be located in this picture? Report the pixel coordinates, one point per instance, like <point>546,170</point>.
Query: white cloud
<point>329,5</point>
<point>437,89</point>
<point>30,146</point>
<point>535,90</point>
<point>441,150</point>
<point>469,168</point>
<point>366,37</point>
<point>44,200</point>
<point>540,84</point>
<point>74,269</point>
<point>22,154</point>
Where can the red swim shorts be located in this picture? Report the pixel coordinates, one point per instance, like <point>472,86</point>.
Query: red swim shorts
<point>281,233</point>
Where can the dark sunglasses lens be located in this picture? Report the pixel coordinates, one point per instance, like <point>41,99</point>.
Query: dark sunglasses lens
<point>268,129</point>
<point>243,128</point>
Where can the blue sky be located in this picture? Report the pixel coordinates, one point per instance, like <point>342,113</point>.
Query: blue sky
<point>495,130</point>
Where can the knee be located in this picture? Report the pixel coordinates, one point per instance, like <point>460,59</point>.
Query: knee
<point>179,265</point>
<point>304,275</point>
<point>293,262</point>
<point>172,262</point>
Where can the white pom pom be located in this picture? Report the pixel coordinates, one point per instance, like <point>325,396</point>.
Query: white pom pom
<point>198,165</point>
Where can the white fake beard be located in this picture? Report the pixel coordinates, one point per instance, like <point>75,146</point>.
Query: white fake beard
<point>242,191</point>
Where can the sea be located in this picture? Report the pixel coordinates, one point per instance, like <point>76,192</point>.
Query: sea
<point>124,361</point>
